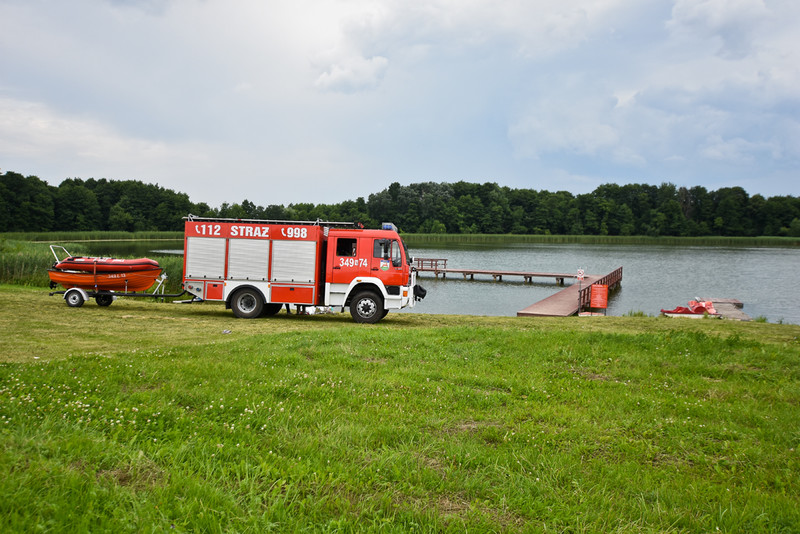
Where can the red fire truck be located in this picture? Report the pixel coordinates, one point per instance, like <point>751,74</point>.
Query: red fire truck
<point>257,266</point>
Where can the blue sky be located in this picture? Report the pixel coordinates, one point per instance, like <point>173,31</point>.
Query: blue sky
<point>323,101</point>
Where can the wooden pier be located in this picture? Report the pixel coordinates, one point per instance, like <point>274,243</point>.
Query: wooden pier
<point>730,309</point>
<point>726,309</point>
<point>438,266</point>
<point>571,299</point>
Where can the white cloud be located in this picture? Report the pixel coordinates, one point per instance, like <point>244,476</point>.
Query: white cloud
<point>337,98</point>
<point>737,151</point>
<point>353,74</point>
<point>535,136</point>
<point>32,134</point>
<point>37,140</point>
<point>533,28</point>
<point>565,120</point>
<point>733,22</point>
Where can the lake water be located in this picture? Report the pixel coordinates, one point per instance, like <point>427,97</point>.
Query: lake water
<point>654,277</point>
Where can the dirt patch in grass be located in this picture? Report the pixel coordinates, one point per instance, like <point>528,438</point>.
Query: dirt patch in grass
<point>471,427</point>
<point>137,477</point>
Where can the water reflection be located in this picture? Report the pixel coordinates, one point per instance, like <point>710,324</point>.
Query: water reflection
<point>133,248</point>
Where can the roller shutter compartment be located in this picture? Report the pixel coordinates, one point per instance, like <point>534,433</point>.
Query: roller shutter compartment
<point>294,261</point>
<point>205,257</point>
<point>248,259</point>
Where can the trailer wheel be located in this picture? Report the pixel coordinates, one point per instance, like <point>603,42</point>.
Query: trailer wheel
<point>271,309</point>
<point>366,307</point>
<point>246,303</point>
<point>74,299</point>
<point>104,300</point>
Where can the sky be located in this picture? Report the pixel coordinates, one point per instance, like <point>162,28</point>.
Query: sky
<point>288,101</point>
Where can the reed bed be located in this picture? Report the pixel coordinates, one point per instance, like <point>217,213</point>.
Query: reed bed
<point>26,263</point>
<point>500,239</point>
<point>77,237</point>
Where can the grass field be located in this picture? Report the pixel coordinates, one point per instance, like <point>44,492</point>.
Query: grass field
<point>150,417</point>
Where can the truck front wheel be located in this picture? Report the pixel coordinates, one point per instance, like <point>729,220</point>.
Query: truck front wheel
<point>366,307</point>
<point>247,303</point>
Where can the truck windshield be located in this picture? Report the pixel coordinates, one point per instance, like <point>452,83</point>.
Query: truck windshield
<point>405,249</point>
<point>388,249</point>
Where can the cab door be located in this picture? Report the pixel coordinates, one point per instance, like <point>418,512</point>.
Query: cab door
<point>388,262</point>
<point>349,258</point>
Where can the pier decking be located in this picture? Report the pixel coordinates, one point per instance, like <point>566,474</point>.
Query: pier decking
<point>438,266</point>
<point>730,309</point>
<point>571,299</point>
<point>562,304</point>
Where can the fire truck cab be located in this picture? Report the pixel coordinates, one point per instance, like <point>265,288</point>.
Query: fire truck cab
<point>256,267</point>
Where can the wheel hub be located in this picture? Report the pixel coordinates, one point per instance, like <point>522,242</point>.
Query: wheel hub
<point>247,303</point>
<point>367,308</point>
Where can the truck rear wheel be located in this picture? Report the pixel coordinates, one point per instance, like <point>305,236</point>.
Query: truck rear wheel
<point>271,309</point>
<point>247,303</point>
<point>366,307</point>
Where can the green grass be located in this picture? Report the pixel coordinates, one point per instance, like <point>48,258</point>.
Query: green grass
<point>149,417</point>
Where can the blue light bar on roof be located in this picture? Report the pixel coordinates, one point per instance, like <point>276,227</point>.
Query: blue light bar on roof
<point>388,226</point>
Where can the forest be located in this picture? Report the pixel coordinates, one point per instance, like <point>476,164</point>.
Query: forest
<point>29,204</point>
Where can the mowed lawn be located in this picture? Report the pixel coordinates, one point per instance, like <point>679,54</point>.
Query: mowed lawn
<point>153,417</point>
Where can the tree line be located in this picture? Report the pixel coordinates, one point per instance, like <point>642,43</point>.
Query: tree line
<point>30,204</point>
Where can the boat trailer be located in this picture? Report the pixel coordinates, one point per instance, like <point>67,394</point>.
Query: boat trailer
<point>76,296</point>
<point>84,279</point>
